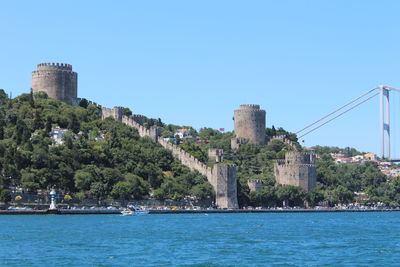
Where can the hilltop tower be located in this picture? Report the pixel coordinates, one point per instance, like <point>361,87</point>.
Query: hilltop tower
<point>57,80</point>
<point>298,168</point>
<point>250,124</point>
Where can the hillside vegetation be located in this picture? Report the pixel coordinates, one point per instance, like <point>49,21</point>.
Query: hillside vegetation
<point>101,159</point>
<point>104,159</point>
<point>336,183</point>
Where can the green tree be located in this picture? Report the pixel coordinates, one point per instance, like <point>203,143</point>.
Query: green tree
<point>126,112</point>
<point>203,191</point>
<point>83,180</point>
<point>5,196</point>
<point>122,190</point>
<point>83,103</point>
<point>99,191</point>
<point>265,197</point>
<point>291,195</point>
<point>140,186</point>
<point>315,196</point>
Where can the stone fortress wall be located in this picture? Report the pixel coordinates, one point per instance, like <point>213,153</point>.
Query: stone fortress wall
<point>115,113</point>
<point>298,169</point>
<point>57,80</point>
<point>255,185</point>
<point>286,141</point>
<point>60,82</point>
<point>250,124</point>
<point>222,176</point>
<point>215,155</point>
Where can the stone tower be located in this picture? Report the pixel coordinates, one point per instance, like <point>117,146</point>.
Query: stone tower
<point>57,80</point>
<point>116,113</point>
<point>298,168</point>
<point>215,155</point>
<point>250,123</point>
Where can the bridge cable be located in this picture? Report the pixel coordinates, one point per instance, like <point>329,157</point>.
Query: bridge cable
<point>312,130</point>
<point>333,112</point>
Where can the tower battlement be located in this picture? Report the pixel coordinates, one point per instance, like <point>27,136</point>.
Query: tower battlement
<point>294,157</point>
<point>298,168</point>
<point>54,66</point>
<point>250,106</point>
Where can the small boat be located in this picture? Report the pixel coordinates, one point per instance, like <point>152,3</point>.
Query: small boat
<point>134,211</point>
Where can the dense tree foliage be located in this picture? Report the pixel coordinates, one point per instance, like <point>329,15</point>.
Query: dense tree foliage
<point>349,151</point>
<point>98,158</point>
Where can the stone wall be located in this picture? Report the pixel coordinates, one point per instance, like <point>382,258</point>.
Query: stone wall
<point>250,124</point>
<point>57,80</point>
<point>215,155</point>
<point>237,142</point>
<point>222,176</point>
<point>298,169</point>
<point>115,113</point>
<point>188,160</point>
<point>288,142</point>
<point>255,185</point>
<point>153,132</point>
<point>225,185</point>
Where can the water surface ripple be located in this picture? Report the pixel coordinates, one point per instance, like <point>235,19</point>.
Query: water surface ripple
<point>328,239</point>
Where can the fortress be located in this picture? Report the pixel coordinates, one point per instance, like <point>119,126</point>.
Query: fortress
<point>60,82</point>
<point>298,168</point>
<point>57,80</point>
<point>221,176</point>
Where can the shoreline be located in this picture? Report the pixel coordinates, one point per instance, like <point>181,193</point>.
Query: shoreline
<point>115,212</point>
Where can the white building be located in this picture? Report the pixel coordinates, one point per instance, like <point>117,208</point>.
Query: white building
<point>57,134</point>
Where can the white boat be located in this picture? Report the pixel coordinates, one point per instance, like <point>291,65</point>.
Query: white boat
<point>134,211</point>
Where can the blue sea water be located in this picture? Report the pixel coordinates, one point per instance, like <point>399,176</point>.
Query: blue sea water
<point>327,239</point>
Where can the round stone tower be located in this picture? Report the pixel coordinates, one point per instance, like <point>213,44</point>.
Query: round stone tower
<point>250,123</point>
<point>57,80</point>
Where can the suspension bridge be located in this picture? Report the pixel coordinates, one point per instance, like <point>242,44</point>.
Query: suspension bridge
<point>384,117</point>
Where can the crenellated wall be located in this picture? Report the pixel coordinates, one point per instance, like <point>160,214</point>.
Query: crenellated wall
<point>115,113</point>
<point>222,176</point>
<point>284,140</point>
<point>298,168</point>
<point>138,118</point>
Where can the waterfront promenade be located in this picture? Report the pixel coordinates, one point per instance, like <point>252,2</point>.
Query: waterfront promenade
<point>201,211</point>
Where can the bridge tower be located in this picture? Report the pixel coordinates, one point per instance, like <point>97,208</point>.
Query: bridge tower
<point>384,121</point>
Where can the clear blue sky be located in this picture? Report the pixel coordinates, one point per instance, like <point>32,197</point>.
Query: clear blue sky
<point>194,62</point>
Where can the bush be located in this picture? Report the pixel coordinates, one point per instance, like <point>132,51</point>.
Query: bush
<point>5,195</point>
